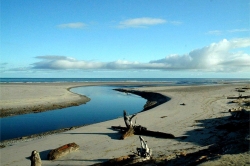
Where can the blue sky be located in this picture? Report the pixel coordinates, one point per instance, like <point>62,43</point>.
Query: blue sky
<point>125,38</point>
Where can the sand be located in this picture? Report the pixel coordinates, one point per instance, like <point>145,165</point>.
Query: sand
<point>206,108</point>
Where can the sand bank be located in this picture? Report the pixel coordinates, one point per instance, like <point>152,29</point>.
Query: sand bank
<point>206,108</point>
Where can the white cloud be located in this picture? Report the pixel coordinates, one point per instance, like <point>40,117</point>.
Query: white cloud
<point>140,22</point>
<point>175,22</point>
<point>219,56</point>
<point>215,32</point>
<point>63,62</point>
<point>20,69</point>
<point>51,57</point>
<point>239,30</point>
<point>74,25</point>
<point>221,32</point>
<point>215,57</point>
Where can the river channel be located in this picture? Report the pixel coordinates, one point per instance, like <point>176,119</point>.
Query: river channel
<point>105,104</point>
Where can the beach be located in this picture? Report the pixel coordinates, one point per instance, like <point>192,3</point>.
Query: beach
<point>195,115</point>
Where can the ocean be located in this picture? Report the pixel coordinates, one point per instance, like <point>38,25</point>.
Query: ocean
<point>175,81</point>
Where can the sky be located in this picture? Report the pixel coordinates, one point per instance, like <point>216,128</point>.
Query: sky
<point>125,39</point>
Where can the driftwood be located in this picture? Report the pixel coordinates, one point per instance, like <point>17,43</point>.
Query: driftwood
<point>35,158</point>
<point>236,109</point>
<point>239,97</point>
<point>144,152</point>
<point>239,112</point>
<point>62,151</point>
<point>128,119</point>
<point>128,132</point>
<point>241,90</point>
<point>132,129</point>
<point>140,130</point>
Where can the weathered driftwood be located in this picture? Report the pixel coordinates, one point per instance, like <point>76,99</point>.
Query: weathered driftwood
<point>35,158</point>
<point>139,130</point>
<point>128,119</point>
<point>235,109</point>
<point>62,151</point>
<point>128,132</point>
<point>239,112</point>
<point>241,90</point>
<point>238,101</point>
<point>144,152</point>
<point>132,129</point>
<point>238,97</point>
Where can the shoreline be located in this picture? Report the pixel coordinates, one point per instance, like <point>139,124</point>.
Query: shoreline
<point>153,100</point>
<point>204,120</point>
<point>47,101</point>
<point>6,112</point>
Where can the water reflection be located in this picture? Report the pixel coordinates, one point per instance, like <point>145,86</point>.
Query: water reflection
<point>105,104</point>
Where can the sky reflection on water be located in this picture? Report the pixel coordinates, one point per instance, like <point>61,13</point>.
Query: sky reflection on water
<point>105,104</point>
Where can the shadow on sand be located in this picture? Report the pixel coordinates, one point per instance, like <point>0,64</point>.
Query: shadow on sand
<point>219,136</point>
<point>223,135</point>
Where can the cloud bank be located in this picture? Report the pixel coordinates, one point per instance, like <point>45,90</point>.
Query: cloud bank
<point>222,56</point>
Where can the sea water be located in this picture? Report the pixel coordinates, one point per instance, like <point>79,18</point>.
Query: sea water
<point>175,81</point>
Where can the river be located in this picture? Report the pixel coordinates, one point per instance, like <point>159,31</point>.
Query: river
<point>105,104</point>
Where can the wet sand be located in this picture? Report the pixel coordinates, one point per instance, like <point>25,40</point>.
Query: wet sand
<point>197,125</point>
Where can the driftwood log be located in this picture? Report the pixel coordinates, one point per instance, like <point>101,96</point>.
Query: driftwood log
<point>133,129</point>
<point>238,97</point>
<point>35,158</point>
<point>239,113</point>
<point>62,151</point>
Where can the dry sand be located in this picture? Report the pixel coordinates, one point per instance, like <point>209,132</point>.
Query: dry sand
<point>206,107</point>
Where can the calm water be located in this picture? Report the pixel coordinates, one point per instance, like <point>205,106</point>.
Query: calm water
<point>166,80</point>
<point>105,104</point>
